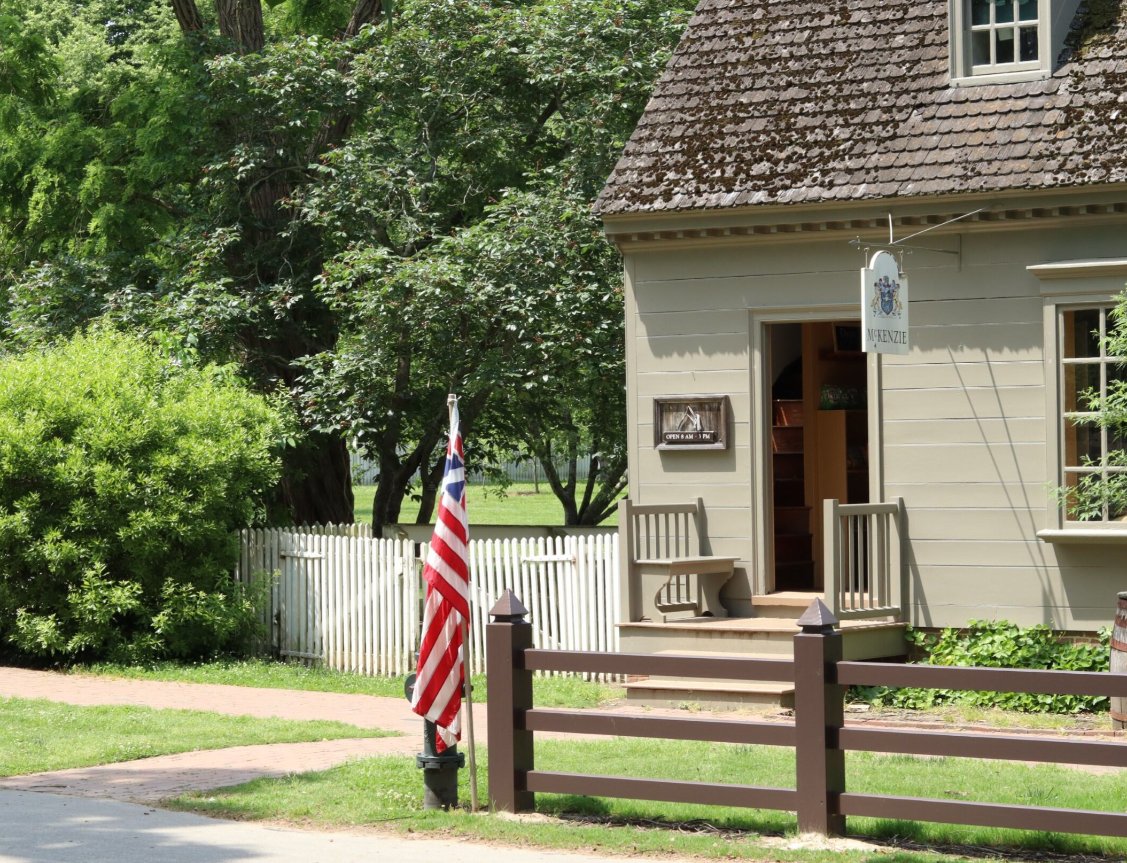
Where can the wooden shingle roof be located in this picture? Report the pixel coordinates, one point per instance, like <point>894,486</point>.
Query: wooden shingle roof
<point>778,102</point>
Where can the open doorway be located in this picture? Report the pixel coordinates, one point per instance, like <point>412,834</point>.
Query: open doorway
<point>818,411</point>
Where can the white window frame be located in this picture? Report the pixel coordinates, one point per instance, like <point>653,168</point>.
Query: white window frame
<point>1054,17</point>
<point>1103,364</point>
<point>1070,286</point>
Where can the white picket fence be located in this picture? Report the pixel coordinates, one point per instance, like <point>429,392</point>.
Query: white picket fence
<point>354,603</point>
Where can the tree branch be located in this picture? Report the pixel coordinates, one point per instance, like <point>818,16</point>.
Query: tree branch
<point>334,131</point>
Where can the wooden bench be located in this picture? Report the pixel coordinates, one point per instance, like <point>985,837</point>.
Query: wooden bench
<point>663,573</point>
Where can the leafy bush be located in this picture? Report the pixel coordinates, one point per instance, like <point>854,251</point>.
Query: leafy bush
<point>1000,644</point>
<point>124,477</point>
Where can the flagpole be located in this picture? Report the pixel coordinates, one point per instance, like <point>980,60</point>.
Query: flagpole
<point>451,401</point>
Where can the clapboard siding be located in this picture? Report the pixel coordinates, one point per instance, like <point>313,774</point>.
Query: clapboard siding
<point>964,523</point>
<point>986,553</point>
<point>724,352</point>
<point>964,404</point>
<point>693,467</point>
<point>718,262</point>
<point>984,312</point>
<point>687,382</point>
<point>1002,462</point>
<point>972,495</point>
<point>920,376</point>
<point>734,493</point>
<point>695,323</point>
<point>737,295</point>
<point>975,431</point>
<point>1021,340</point>
<point>952,595</point>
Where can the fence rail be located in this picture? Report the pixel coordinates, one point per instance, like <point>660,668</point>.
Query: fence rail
<point>339,597</point>
<point>818,733</point>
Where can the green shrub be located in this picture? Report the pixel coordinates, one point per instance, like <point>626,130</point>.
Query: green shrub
<point>124,477</point>
<point>1000,644</point>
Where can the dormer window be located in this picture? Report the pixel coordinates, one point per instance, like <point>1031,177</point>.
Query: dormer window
<point>1004,35</point>
<point>1002,41</point>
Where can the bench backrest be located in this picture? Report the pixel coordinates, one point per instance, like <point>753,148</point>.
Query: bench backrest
<point>662,530</point>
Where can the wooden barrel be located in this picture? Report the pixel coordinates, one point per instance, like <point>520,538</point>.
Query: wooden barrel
<point>1119,661</point>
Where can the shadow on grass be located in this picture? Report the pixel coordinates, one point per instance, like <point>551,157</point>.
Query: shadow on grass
<point>899,841</point>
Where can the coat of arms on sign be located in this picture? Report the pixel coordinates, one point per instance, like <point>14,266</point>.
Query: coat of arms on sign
<point>886,297</point>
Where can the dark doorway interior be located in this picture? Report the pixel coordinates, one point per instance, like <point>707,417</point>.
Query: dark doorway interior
<point>819,440</point>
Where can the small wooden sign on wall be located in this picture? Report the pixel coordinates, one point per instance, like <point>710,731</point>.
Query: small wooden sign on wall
<point>691,422</point>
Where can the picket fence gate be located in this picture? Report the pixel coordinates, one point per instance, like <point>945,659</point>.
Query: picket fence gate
<point>343,599</point>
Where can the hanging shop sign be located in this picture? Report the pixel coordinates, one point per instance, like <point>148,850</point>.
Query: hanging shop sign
<point>691,422</point>
<point>884,306</point>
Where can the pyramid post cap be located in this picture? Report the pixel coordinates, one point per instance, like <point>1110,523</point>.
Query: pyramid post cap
<point>509,608</point>
<point>817,618</point>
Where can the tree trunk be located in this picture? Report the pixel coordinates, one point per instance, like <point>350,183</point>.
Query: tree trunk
<point>318,486</point>
<point>187,16</point>
<point>432,481</point>
<point>364,12</point>
<point>241,22</point>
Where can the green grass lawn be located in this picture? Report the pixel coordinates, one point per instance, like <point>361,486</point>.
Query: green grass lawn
<point>519,504</point>
<point>387,792</point>
<point>45,735</point>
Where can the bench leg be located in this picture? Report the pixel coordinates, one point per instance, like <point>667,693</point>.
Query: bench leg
<point>650,586</point>
<point>709,584</point>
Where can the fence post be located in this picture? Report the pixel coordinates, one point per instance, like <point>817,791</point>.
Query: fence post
<point>509,688</point>
<point>819,711</point>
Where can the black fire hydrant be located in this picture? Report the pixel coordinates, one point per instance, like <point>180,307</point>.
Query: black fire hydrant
<point>440,772</point>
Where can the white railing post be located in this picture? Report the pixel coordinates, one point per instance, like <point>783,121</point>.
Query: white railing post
<point>831,553</point>
<point>895,564</point>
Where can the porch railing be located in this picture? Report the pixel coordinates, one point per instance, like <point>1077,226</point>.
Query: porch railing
<point>863,572</point>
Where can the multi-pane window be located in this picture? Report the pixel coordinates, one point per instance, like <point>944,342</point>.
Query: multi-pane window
<point>1004,35</point>
<point>1093,455</point>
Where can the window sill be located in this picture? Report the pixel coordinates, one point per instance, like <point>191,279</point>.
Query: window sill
<point>1085,535</point>
<point>985,78</point>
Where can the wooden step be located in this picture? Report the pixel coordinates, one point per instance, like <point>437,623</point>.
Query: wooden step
<point>790,492</point>
<point>785,603</point>
<point>759,637</point>
<point>709,694</point>
<point>748,636</point>
<point>714,693</point>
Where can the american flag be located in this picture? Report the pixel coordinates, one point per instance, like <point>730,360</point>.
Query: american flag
<point>438,681</point>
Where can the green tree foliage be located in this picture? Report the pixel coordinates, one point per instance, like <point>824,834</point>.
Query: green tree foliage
<point>474,170</point>
<point>332,197</point>
<point>123,478</point>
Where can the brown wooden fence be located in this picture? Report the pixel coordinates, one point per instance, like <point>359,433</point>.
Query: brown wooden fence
<point>818,733</point>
